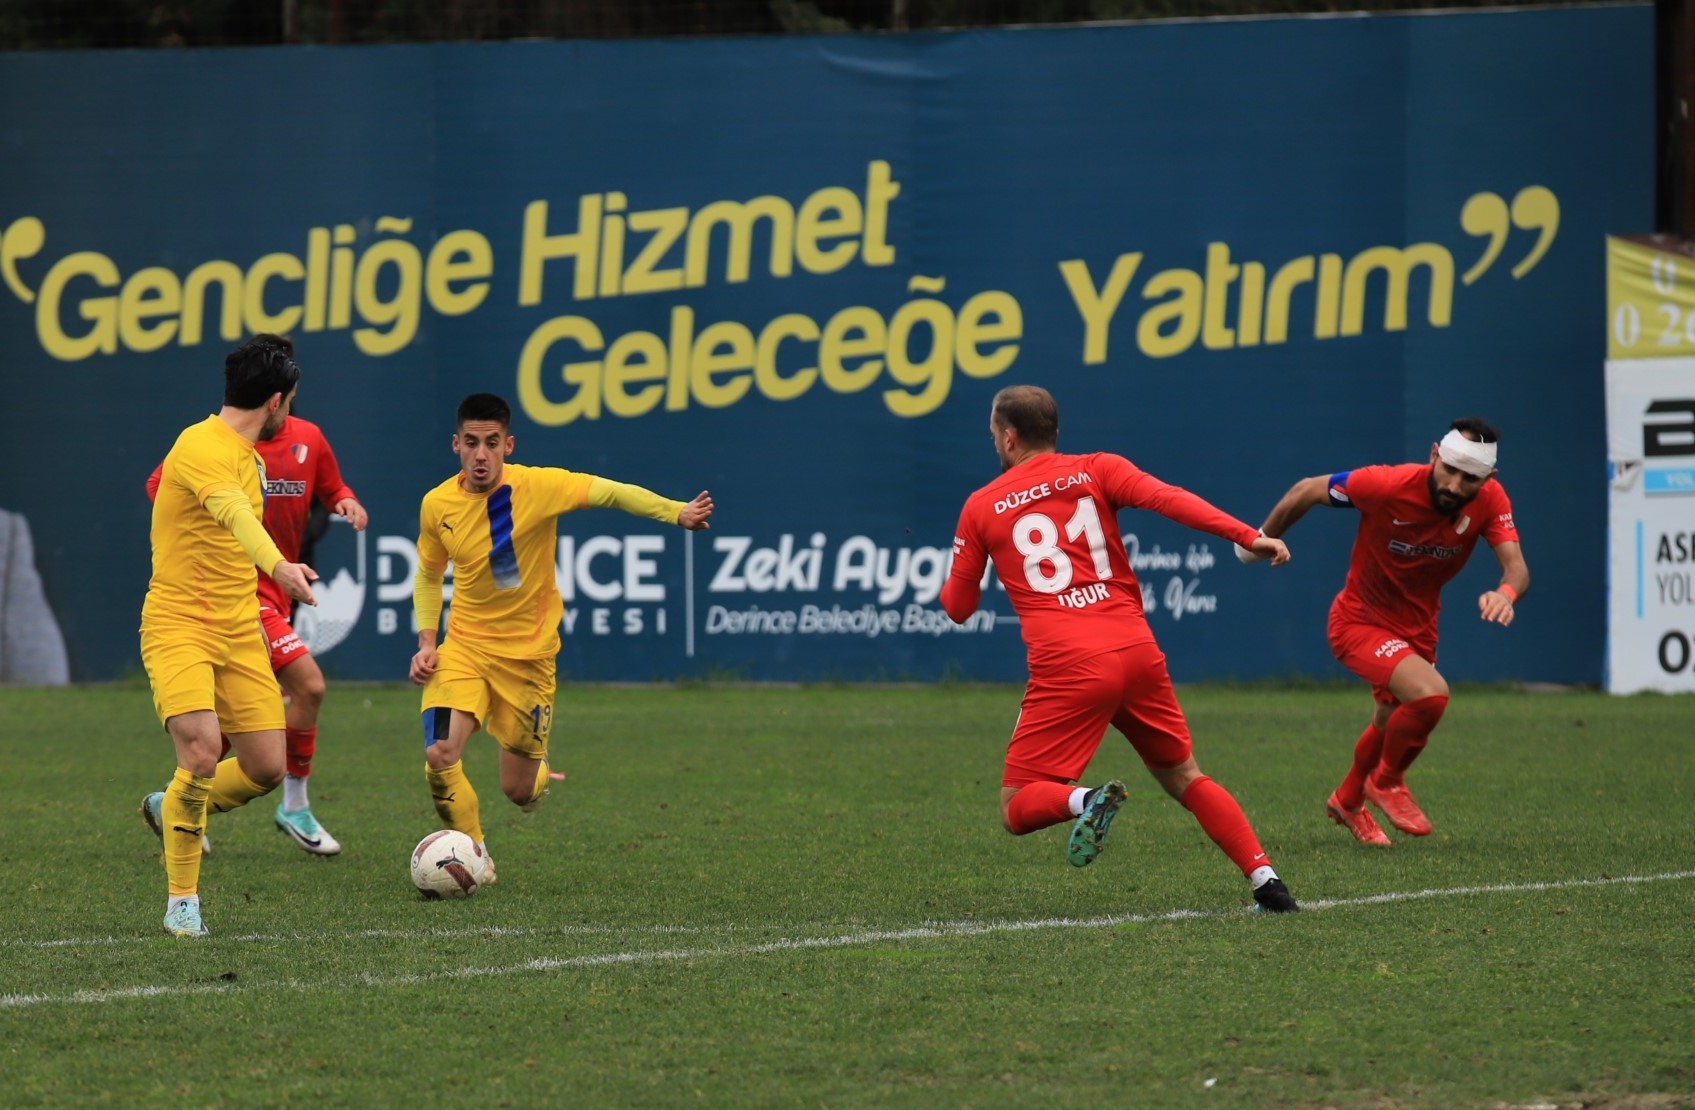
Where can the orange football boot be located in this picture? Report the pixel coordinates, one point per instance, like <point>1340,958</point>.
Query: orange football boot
<point>1397,804</point>
<point>1360,823</point>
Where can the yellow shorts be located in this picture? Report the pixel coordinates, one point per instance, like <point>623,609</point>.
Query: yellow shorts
<point>512,699</point>
<point>193,667</point>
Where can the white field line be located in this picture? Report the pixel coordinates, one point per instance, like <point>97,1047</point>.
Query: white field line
<point>934,930</point>
<point>419,933</point>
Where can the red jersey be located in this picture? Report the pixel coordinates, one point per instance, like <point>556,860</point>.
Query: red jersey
<point>1406,549</point>
<point>1050,525</point>
<point>299,465</point>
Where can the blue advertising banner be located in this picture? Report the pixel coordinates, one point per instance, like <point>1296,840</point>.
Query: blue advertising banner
<point>794,271</point>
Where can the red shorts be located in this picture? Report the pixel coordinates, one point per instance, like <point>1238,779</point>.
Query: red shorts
<point>1064,716</point>
<point>285,646</point>
<point>1373,652</point>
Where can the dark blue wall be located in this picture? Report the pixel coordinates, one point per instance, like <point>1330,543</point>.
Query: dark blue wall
<point>1020,156</point>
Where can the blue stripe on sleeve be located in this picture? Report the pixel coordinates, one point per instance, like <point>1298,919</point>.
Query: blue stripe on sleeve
<point>502,557</point>
<point>1339,498</point>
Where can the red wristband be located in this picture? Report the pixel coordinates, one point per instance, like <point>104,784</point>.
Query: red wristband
<point>1511,594</point>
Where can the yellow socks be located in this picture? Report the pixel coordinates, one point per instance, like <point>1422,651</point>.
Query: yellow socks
<point>455,800</point>
<point>538,791</point>
<point>231,788</point>
<point>182,816</point>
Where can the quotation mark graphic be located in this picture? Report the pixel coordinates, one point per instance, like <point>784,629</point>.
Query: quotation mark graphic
<point>23,239</point>
<point>1534,208</point>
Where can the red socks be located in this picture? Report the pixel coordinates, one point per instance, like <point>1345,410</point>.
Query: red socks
<point>1408,731</point>
<point>1225,822</point>
<point>1368,751</point>
<point>302,744</point>
<point>1037,805</point>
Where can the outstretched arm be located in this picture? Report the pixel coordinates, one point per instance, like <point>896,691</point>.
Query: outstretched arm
<point>1302,496</point>
<point>231,509</point>
<point>1195,511</point>
<point>697,513</point>
<point>604,493</point>
<point>1498,605</point>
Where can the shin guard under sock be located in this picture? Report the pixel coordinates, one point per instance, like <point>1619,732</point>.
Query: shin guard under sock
<point>231,788</point>
<point>182,818</point>
<point>455,800</point>
<point>1407,733</point>
<point>1225,822</point>
<point>1368,750</point>
<point>302,745</point>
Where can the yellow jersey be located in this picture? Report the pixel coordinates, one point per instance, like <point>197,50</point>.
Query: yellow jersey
<point>504,548</point>
<point>200,572</point>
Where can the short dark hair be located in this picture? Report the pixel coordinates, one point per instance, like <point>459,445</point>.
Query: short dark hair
<point>484,406</point>
<point>258,368</point>
<point>1477,426</point>
<point>1030,411</point>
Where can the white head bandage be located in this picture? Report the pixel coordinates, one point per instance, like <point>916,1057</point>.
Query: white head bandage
<point>1469,455</point>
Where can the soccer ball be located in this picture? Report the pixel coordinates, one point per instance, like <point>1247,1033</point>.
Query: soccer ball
<point>447,864</point>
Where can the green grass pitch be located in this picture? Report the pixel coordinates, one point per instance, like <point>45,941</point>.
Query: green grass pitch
<point>802,897</point>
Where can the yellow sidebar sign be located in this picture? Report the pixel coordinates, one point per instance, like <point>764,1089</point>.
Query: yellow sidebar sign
<point>1650,297</point>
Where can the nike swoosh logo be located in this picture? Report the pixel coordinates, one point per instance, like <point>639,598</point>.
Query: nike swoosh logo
<point>308,841</point>
<point>190,832</point>
<point>1399,523</point>
<point>445,797</point>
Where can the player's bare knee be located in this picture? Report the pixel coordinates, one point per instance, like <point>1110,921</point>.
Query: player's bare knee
<point>1432,686</point>
<point>1176,780</point>
<point>442,752</point>
<point>1007,794</point>
<point>310,694</point>
<point>264,774</point>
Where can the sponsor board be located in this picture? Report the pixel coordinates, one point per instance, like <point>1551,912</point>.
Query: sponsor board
<point>1651,525</point>
<point>681,593</point>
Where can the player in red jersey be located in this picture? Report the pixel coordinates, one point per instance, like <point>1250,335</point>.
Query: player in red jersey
<point>298,466</point>
<point>1049,524</point>
<point>1418,525</point>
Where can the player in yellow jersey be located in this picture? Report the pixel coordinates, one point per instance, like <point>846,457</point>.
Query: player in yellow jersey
<point>201,641</point>
<point>498,525</point>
